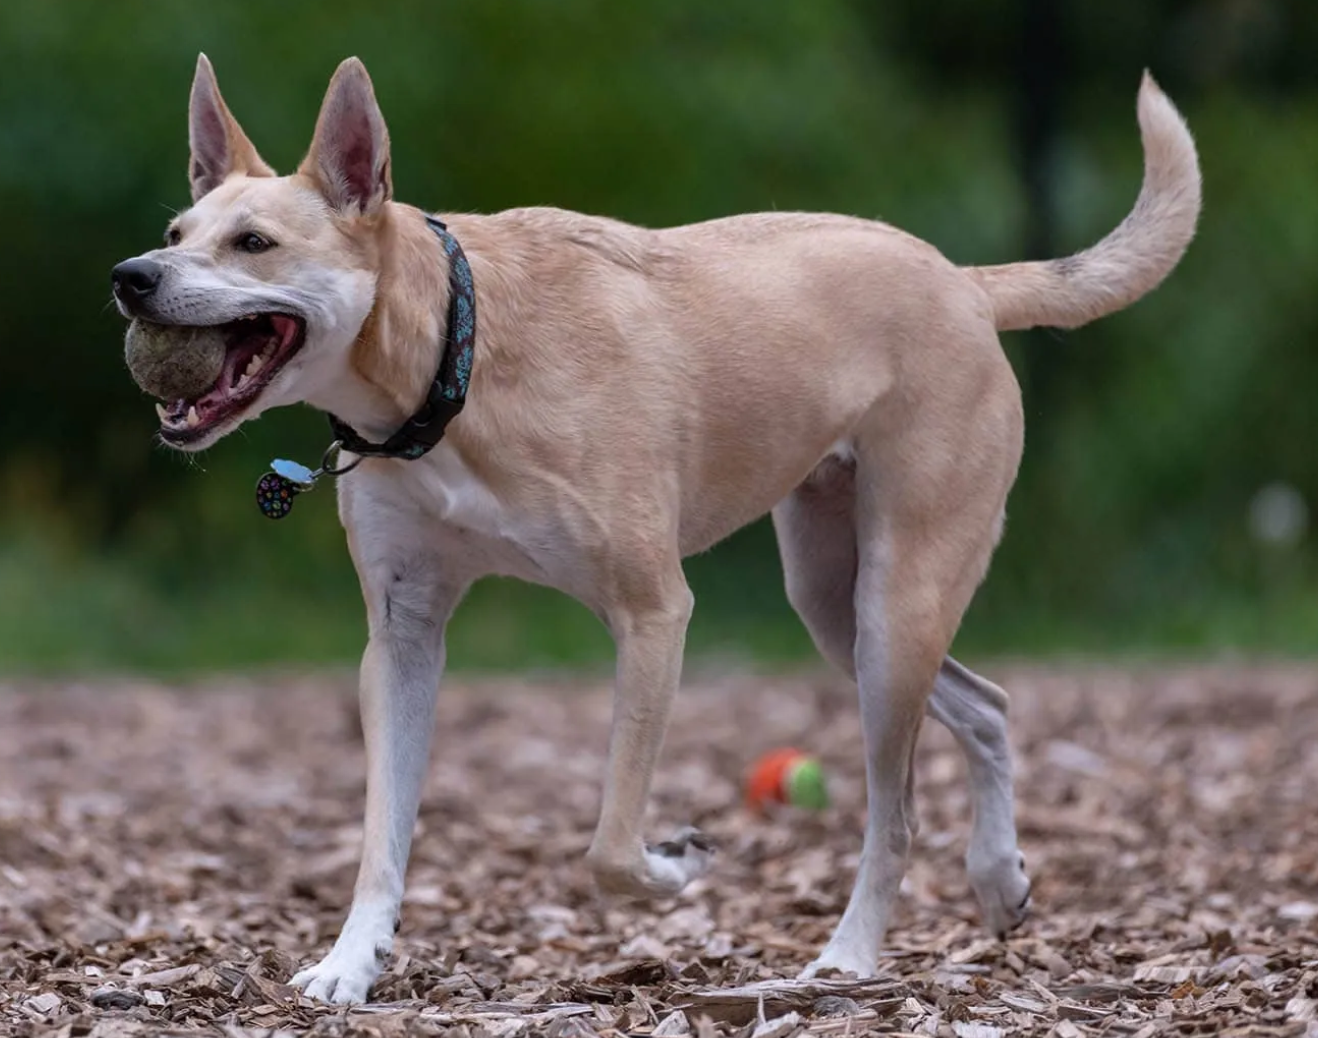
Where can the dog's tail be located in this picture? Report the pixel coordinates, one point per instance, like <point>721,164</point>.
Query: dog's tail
<point>1131,261</point>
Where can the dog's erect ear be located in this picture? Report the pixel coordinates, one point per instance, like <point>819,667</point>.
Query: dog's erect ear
<point>349,156</point>
<point>219,146</point>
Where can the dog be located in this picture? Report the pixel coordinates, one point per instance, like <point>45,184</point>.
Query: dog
<point>636,396</point>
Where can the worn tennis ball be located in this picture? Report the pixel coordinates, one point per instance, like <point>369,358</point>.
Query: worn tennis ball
<point>174,362</point>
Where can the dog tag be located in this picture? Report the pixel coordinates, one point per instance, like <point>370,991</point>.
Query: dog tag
<point>294,473</point>
<point>277,488</point>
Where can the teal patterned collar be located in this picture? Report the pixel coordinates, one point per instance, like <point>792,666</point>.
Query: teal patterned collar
<point>419,434</point>
<point>448,392</point>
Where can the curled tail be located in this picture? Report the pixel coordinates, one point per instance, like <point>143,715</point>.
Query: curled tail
<point>1131,261</point>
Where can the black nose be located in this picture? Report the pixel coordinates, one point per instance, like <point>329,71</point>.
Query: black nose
<point>135,279</point>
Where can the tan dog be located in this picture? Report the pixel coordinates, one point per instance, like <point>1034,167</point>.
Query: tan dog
<point>638,395</point>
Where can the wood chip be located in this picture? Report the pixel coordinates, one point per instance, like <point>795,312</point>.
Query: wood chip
<point>165,978</point>
<point>43,1004</point>
<point>779,1027</point>
<point>972,1029</point>
<point>115,998</point>
<point>674,1023</point>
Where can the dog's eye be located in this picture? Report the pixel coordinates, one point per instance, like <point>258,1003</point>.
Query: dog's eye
<point>173,236</point>
<point>253,242</point>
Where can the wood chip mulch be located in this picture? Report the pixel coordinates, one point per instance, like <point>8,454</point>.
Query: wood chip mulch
<point>169,856</point>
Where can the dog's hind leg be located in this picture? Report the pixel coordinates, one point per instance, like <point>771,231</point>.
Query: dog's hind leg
<point>409,602</point>
<point>816,529</point>
<point>931,484</point>
<point>649,626</point>
<point>974,710</point>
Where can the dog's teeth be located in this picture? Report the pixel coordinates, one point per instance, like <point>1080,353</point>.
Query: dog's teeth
<point>253,366</point>
<point>163,413</point>
<point>194,419</point>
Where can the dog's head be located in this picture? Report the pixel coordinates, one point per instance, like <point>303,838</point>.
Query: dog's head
<point>283,269</point>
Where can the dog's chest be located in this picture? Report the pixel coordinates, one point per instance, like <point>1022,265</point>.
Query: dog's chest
<point>438,505</point>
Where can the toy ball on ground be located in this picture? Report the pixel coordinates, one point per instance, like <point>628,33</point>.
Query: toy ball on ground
<point>787,776</point>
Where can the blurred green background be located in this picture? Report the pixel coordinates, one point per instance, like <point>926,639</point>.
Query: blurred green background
<point>1170,461</point>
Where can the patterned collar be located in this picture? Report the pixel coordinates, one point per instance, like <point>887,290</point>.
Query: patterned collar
<point>419,434</point>
<point>448,392</point>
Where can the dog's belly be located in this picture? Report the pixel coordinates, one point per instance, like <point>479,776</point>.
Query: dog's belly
<point>722,514</point>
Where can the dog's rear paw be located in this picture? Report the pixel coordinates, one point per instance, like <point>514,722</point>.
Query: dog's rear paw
<point>661,870</point>
<point>685,842</point>
<point>676,862</point>
<point>342,977</point>
<point>1003,890</point>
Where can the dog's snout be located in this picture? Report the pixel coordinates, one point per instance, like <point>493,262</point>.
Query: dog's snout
<point>135,279</point>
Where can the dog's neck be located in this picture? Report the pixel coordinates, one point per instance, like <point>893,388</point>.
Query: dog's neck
<point>397,351</point>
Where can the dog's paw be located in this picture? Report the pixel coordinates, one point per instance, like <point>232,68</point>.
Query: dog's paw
<point>1003,890</point>
<point>676,862</point>
<point>839,962</point>
<point>343,977</point>
<point>660,870</point>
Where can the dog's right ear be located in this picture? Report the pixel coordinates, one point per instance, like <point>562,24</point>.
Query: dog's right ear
<point>219,146</point>
<point>349,155</point>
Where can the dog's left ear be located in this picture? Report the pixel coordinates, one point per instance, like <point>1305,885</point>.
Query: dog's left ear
<point>349,156</point>
<point>219,146</point>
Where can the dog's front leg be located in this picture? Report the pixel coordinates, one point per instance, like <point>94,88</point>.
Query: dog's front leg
<point>650,641</point>
<point>400,676</point>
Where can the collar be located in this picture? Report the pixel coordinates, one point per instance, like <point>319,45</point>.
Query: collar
<point>419,434</point>
<point>448,392</point>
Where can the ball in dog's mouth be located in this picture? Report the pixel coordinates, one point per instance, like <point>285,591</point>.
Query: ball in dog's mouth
<point>206,374</point>
<point>171,362</point>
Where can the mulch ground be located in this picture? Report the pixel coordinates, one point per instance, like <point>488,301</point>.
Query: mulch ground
<point>168,857</point>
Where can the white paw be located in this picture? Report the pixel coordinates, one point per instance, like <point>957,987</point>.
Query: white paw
<point>662,870</point>
<point>676,862</point>
<point>841,960</point>
<point>343,976</point>
<point>1003,890</point>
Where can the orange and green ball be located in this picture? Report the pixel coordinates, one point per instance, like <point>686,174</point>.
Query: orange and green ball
<point>787,776</point>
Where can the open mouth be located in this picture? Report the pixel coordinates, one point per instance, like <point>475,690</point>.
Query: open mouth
<point>257,347</point>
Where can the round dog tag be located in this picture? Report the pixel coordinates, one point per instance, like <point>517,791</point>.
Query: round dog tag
<point>276,489</point>
<point>274,495</point>
<point>286,479</point>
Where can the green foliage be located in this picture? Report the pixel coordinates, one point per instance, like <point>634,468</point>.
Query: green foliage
<point>1149,433</point>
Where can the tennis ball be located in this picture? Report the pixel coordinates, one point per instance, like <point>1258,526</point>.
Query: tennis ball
<point>173,362</point>
<point>787,776</point>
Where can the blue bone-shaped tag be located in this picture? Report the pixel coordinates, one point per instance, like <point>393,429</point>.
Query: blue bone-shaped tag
<point>294,473</point>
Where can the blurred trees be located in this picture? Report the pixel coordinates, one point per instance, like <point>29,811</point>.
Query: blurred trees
<point>997,129</point>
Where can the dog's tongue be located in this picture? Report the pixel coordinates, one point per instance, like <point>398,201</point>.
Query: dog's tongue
<point>285,328</point>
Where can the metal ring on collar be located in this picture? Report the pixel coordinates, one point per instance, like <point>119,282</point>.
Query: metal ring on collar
<point>335,449</point>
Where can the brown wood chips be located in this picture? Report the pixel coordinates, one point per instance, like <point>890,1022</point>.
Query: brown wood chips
<point>169,856</point>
